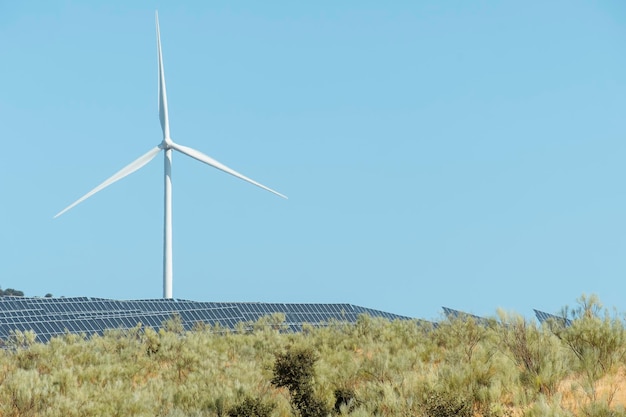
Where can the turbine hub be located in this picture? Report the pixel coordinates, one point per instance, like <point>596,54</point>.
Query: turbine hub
<point>166,144</point>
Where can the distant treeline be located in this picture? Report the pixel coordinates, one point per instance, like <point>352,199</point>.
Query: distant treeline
<point>16,293</point>
<point>11,291</point>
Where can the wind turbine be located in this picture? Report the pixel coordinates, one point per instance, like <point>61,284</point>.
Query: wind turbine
<point>166,145</point>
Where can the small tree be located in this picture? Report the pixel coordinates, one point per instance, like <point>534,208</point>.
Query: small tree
<point>294,370</point>
<point>11,292</point>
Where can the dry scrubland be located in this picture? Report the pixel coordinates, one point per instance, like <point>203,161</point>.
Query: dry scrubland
<point>506,367</point>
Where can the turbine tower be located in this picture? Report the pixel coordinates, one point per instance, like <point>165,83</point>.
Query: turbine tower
<point>166,145</point>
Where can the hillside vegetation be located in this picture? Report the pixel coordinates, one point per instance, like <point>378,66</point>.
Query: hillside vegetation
<point>507,366</point>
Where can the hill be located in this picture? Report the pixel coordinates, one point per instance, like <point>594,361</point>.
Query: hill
<point>507,366</point>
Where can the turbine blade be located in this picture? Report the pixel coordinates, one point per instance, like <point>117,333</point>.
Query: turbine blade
<point>163,117</point>
<point>216,164</point>
<point>127,170</point>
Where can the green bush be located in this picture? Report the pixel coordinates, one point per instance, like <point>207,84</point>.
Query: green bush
<point>542,362</point>
<point>602,409</point>
<point>447,404</point>
<point>345,399</point>
<point>294,370</point>
<point>597,339</point>
<point>251,407</point>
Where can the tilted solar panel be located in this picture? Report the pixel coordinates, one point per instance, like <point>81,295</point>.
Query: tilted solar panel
<point>49,317</point>
<point>545,317</point>
<point>456,314</point>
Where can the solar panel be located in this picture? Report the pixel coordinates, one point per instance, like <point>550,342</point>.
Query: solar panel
<point>49,317</point>
<point>456,314</point>
<point>546,317</point>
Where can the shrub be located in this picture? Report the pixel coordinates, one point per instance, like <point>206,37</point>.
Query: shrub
<point>447,404</point>
<point>293,370</point>
<point>344,398</point>
<point>601,409</point>
<point>174,324</point>
<point>535,351</point>
<point>251,407</point>
<point>596,338</point>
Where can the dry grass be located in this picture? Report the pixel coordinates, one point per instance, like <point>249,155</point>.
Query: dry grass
<point>611,389</point>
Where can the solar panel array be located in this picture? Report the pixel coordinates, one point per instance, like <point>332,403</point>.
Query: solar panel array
<point>542,317</point>
<point>49,317</point>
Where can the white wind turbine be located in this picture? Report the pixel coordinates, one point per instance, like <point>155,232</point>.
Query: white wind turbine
<point>166,145</point>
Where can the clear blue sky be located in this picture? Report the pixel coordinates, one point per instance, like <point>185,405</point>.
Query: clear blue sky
<point>468,154</point>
